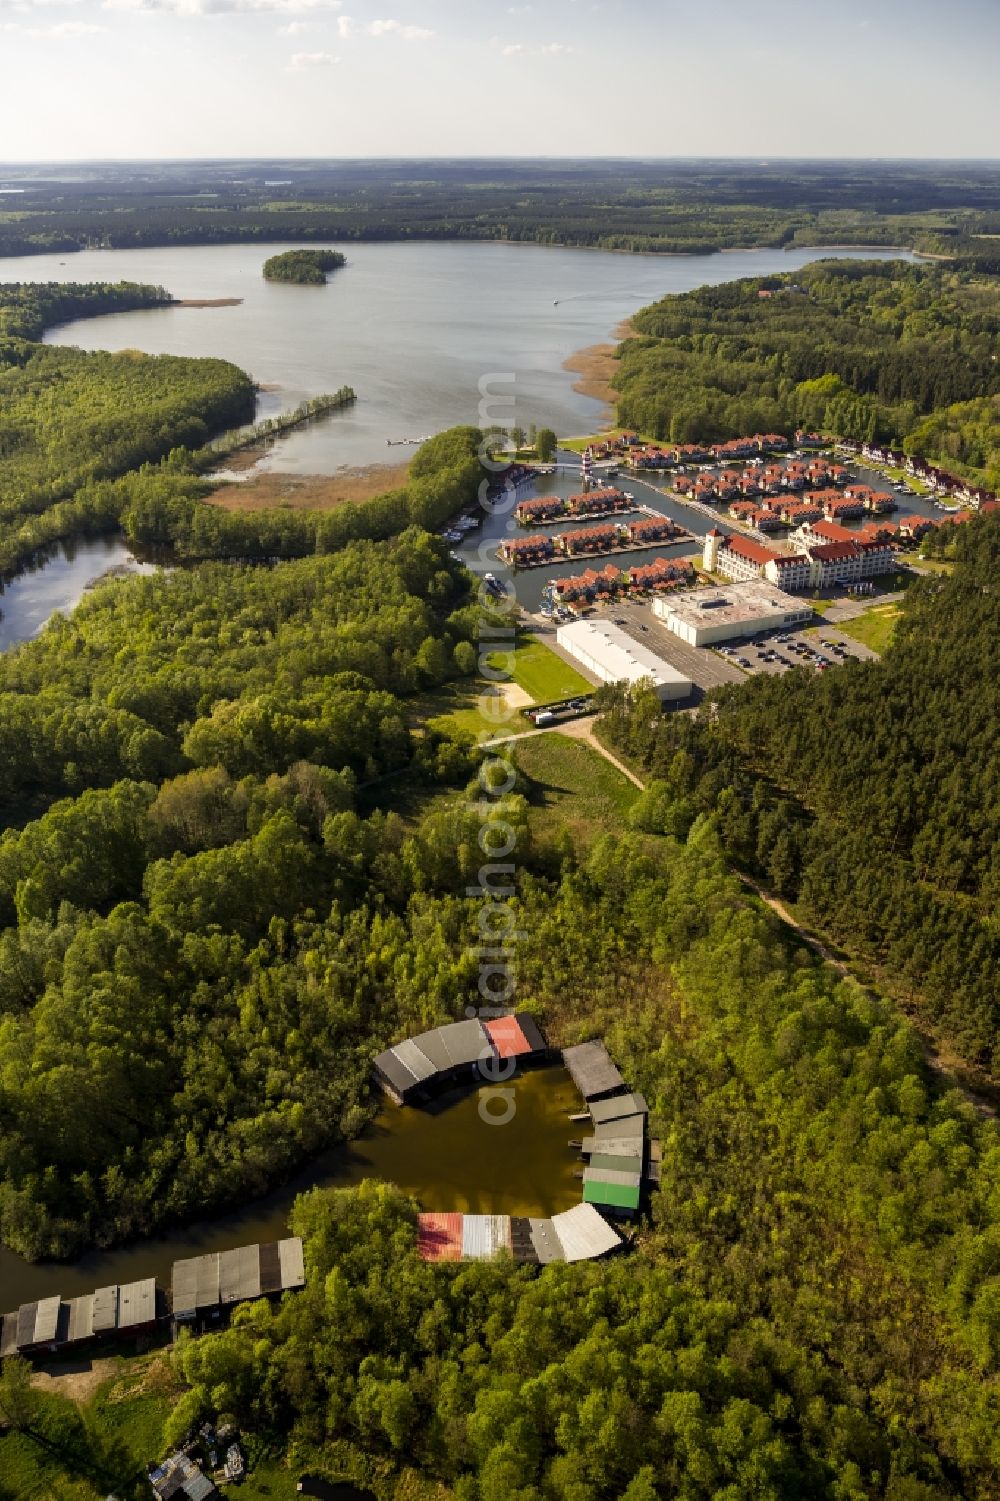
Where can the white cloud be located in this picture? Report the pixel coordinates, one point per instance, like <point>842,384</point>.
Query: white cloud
<point>397,28</point>
<point>59,30</point>
<point>348,27</point>
<point>21,7</point>
<point>224,7</point>
<point>520,49</point>
<point>295,28</point>
<point>301,61</point>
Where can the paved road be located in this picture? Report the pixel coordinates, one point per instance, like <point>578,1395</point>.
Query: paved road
<point>851,608</point>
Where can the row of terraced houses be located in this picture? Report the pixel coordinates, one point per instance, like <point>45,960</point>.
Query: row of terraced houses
<point>528,551</point>
<point>642,455</point>
<point>937,479</point>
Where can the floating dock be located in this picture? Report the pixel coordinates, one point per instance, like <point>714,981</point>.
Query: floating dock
<point>201,1287</point>
<point>618,1159</point>
<point>579,1234</point>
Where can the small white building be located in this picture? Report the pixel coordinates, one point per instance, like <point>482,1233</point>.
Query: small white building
<point>613,656</point>
<point>704,617</point>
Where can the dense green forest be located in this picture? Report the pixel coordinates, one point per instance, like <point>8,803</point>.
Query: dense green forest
<point>811,1310</point>
<point>71,421</point>
<point>306,268</point>
<point>237,862</point>
<point>667,207</point>
<point>27,309</point>
<point>171,1031</point>
<point>886,350</point>
<point>871,795</point>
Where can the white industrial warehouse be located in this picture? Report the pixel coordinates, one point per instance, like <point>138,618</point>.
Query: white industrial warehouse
<point>613,656</point>
<point>704,617</point>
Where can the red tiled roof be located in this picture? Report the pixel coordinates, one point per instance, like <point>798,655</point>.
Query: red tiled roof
<point>831,532</point>
<point>744,547</point>
<point>506,1036</point>
<point>439,1237</point>
<point>834,552</point>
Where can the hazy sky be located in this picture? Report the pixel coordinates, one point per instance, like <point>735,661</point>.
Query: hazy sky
<point>134,78</point>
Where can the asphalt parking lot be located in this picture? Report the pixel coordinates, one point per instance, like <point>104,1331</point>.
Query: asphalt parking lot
<point>706,669</point>
<point>798,651</point>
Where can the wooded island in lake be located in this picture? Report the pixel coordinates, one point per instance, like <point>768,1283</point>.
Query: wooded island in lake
<point>306,268</point>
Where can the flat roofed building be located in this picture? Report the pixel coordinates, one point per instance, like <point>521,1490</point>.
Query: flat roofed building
<point>612,656</point>
<point>207,1269</point>
<point>592,1071</point>
<point>418,1063</point>
<point>434,1049</point>
<point>622,1128</point>
<point>610,1145</point>
<point>194,1285</point>
<point>484,1236</point>
<point>509,1038</point>
<point>137,1304</point>
<point>617,1108</point>
<point>394,1074</point>
<point>105,1309</point>
<point>239,1274</point>
<point>617,1161</point>
<point>46,1321</point>
<point>628,1144</point>
<point>292,1263</point>
<point>467,1043</point>
<point>531,1032</point>
<point>545,1242</point>
<point>26,1316</point>
<point>730,612</point>
<point>439,1237</point>
<point>612,1175</point>
<point>614,1196</point>
<point>80,1319</point>
<point>270,1268</point>
<point>584,1234</point>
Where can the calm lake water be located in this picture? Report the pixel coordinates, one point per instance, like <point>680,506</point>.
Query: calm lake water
<point>58,580</point>
<point>415,329</point>
<point>444,1154</point>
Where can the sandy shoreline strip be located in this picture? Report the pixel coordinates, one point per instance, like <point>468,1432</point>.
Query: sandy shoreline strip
<point>595,366</point>
<point>206,301</point>
<point>271,491</point>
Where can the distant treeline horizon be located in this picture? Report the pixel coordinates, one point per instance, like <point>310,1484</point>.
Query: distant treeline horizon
<point>672,207</point>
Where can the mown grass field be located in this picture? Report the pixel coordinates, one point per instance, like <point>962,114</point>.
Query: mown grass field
<point>874,628</point>
<point>574,789</point>
<point>542,674</point>
<point>537,671</point>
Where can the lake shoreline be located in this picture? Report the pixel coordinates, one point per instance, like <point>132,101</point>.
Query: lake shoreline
<point>595,367</point>
<point>205,302</point>
<point>278,489</point>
